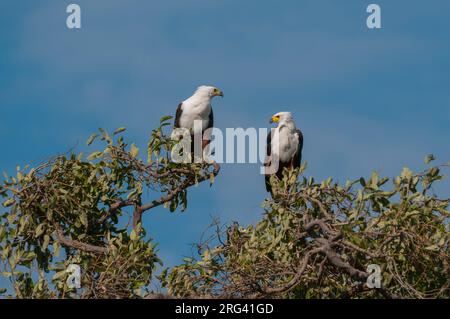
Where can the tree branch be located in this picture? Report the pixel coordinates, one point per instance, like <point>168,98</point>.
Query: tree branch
<point>171,195</point>
<point>63,240</point>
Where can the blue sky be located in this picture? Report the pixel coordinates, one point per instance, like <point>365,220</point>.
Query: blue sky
<point>365,99</point>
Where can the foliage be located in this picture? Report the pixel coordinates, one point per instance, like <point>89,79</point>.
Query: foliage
<point>72,210</point>
<point>316,240</point>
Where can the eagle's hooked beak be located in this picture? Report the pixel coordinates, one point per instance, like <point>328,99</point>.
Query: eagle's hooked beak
<point>218,92</point>
<point>275,119</point>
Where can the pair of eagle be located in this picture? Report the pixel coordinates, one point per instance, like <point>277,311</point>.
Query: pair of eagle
<point>284,143</point>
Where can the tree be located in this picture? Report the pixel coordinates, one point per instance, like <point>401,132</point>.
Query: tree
<point>316,240</point>
<point>80,206</point>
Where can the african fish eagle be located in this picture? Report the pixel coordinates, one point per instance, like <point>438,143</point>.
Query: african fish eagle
<point>197,108</point>
<point>285,144</point>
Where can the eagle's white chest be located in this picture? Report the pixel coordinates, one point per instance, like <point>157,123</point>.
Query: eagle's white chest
<point>192,112</point>
<point>284,143</point>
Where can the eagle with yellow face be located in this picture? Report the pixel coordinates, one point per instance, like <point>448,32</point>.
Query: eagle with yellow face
<point>284,147</point>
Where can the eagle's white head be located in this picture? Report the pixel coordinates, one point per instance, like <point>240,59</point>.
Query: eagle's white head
<point>282,117</point>
<point>208,91</point>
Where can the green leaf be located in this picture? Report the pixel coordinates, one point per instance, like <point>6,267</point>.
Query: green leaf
<point>432,248</point>
<point>2,232</point>
<point>406,173</point>
<point>106,136</point>
<point>374,180</point>
<point>434,171</point>
<point>60,274</point>
<point>165,118</point>
<point>6,251</point>
<point>429,158</point>
<point>133,235</point>
<point>56,248</point>
<point>9,202</point>
<point>84,219</point>
<point>91,138</point>
<point>39,230</point>
<point>134,151</point>
<point>362,181</point>
<point>46,242</point>
<point>173,205</point>
<point>132,193</point>
<point>119,130</point>
<point>94,156</point>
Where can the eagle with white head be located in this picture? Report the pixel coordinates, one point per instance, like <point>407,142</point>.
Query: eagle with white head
<point>284,144</point>
<point>197,108</point>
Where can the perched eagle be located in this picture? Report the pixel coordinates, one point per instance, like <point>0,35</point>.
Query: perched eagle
<point>197,107</point>
<point>285,144</point>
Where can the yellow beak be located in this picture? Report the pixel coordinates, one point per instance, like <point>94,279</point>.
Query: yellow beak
<point>274,119</point>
